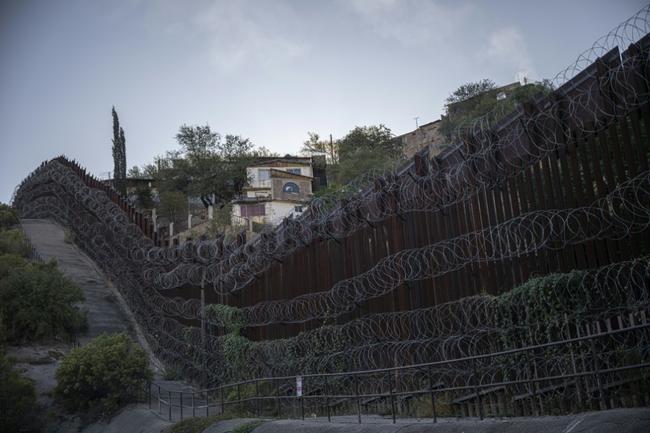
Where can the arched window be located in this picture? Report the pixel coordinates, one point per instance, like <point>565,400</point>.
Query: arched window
<point>291,188</point>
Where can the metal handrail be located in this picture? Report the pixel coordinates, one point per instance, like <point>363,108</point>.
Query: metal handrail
<point>432,390</point>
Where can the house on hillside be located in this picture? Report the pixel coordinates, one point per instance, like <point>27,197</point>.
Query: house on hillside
<point>279,187</point>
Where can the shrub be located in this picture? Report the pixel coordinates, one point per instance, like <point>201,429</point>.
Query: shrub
<point>8,216</point>
<point>14,242</point>
<point>10,262</point>
<point>196,425</point>
<point>248,427</point>
<point>37,302</point>
<point>106,374</point>
<point>17,400</point>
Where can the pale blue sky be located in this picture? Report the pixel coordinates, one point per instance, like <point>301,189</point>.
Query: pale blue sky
<point>268,70</point>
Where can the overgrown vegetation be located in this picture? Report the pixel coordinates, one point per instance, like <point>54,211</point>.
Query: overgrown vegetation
<point>102,376</point>
<point>475,100</point>
<point>235,346</point>
<point>196,425</point>
<point>37,302</point>
<point>248,427</point>
<point>13,241</point>
<point>8,217</point>
<point>17,400</point>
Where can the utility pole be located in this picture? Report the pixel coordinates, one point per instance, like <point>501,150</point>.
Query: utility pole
<point>416,122</point>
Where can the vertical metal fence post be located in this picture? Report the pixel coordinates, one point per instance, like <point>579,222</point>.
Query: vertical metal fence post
<point>223,402</point>
<point>433,397</point>
<point>180,403</point>
<point>327,399</point>
<point>159,402</point>
<point>193,407</point>
<point>241,403</point>
<point>149,392</point>
<point>356,393</point>
<point>169,404</point>
<point>207,403</point>
<point>257,398</point>
<point>537,410</point>
<point>392,397</point>
<point>302,407</point>
<point>477,389</point>
<point>277,398</point>
<point>601,393</point>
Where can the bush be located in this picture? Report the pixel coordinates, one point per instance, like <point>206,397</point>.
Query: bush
<point>17,400</point>
<point>10,262</point>
<point>14,242</point>
<point>37,302</point>
<point>8,216</point>
<point>106,374</point>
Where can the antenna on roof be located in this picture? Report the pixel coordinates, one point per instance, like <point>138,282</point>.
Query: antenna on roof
<point>416,122</point>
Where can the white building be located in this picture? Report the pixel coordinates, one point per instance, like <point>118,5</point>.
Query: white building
<point>278,187</point>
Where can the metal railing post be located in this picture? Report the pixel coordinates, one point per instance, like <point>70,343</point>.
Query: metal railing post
<point>193,407</point>
<point>159,402</point>
<point>392,397</point>
<point>241,403</point>
<point>169,404</point>
<point>207,403</point>
<point>149,393</point>
<point>327,399</point>
<point>223,402</point>
<point>277,398</point>
<point>302,407</point>
<point>257,399</point>
<point>477,389</point>
<point>356,393</point>
<point>601,392</point>
<point>180,404</point>
<point>433,397</point>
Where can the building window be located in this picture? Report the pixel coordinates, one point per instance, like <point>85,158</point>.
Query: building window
<point>293,170</point>
<point>252,210</point>
<point>263,174</point>
<point>297,209</point>
<point>291,188</point>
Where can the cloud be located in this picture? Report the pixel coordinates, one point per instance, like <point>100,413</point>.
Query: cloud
<point>233,34</point>
<point>507,46</point>
<point>412,22</point>
<point>242,33</point>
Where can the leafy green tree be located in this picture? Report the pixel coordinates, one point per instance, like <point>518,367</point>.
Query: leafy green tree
<point>13,241</point>
<point>104,375</point>
<point>37,302</point>
<point>314,144</point>
<point>376,137</point>
<point>197,142</point>
<point>173,205</point>
<point>144,197</point>
<point>8,217</point>
<point>207,163</point>
<point>363,149</point>
<point>469,90</point>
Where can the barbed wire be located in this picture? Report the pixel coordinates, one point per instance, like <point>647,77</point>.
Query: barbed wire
<point>588,98</point>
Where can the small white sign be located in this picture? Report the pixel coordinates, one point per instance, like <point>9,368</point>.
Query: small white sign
<point>299,386</point>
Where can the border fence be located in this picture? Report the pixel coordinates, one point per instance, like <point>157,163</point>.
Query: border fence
<point>425,391</point>
<point>417,283</point>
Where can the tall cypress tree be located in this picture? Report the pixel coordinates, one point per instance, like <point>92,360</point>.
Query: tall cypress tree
<point>119,155</point>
